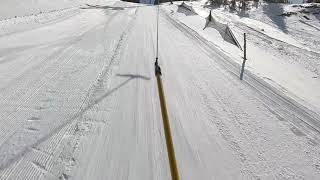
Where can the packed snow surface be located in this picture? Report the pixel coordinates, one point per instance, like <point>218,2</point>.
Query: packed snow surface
<point>79,99</point>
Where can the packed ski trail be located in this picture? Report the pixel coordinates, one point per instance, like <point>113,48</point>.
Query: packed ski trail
<point>79,100</point>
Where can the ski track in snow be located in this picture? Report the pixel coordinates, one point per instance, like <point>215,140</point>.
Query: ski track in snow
<point>84,105</point>
<point>60,60</point>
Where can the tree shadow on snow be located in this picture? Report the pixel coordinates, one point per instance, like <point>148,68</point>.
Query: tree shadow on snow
<point>273,11</point>
<point>317,14</point>
<point>242,13</point>
<point>11,154</point>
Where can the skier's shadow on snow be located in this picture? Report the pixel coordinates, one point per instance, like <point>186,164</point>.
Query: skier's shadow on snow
<point>8,159</point>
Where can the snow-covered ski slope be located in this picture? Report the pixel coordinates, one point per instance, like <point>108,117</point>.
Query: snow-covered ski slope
<point>79,100</point>
<point>282,50</point>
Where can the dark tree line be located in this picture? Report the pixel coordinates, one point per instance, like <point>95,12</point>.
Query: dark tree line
<point>242,4</point>
<point>233,4</point>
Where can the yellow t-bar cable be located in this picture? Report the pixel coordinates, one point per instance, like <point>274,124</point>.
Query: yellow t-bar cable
<point>166,125</point>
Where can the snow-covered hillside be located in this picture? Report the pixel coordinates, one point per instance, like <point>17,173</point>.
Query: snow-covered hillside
<point>300,21</point>
<point>17,8</point>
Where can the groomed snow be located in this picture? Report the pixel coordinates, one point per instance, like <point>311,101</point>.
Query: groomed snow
<point>79,100</point>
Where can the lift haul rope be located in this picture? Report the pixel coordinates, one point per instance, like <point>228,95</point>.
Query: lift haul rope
<point>166,124</point>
